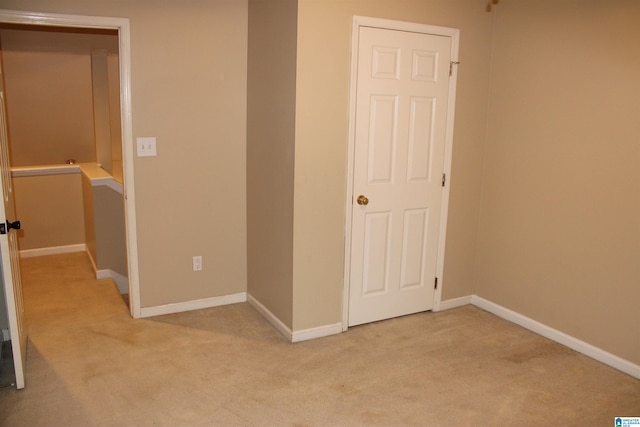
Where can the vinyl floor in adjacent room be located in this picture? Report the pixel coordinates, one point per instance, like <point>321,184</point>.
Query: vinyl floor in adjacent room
<point>90,364</point>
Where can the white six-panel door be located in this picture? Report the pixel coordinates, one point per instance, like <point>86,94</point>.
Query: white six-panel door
<point>402,94</point>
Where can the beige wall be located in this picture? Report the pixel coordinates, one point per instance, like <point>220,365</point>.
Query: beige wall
<point>101,108</point>
<point>104,223</point>
<point>322,111</point>
<point>88,206</point>
<point>53,78</point>
<point>113,75</point>
<point>270,153</point>
<point>111,246</point>
<point>46,135</point>
<point>188,62</point>
<point>48,76</point>
<point>50,210</point>
<point>560,217</point>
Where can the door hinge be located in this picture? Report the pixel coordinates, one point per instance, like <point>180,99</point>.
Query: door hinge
<point>435,283</point>
<point>8,225</point>
<point>444,179</point>
<point>451,64</point>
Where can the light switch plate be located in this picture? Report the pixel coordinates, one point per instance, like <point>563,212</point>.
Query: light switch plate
<point>146,146</point>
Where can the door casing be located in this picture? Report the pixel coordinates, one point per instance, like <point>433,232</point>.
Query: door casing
<point>454,34</point>
<point>122,26</point>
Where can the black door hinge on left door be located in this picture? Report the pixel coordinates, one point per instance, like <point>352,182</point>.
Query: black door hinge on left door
<point>5,228</point>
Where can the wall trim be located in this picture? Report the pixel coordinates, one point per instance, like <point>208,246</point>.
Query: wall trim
<point>44,170</point>
<point>198,304</point>
<point>270,317</point>
<point>557,336</point>
<point>454,303</point>
<point>318,332</point>
<point>122,282</point>
<point>294,336</point>
<point>93,262</point>
<point>99,177</point>
<point>107,182</point>
<point>53,250</point>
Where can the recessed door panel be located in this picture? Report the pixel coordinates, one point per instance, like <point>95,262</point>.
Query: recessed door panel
<point>425,65</point>
<point>414,239</point>
<point>382,138</point>
<point>385,62</point>
<point>420,138</point>
<point>376,253</point>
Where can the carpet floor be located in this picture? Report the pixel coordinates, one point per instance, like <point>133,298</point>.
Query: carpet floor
<point>90,364</point>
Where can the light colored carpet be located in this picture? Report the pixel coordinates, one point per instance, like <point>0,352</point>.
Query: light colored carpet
<point>90,364</point>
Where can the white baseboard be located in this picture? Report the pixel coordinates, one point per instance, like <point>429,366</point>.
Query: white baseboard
<point>294,336</point>
<point>193,305</point>
<point>271,318</point>
<point>122,282</point>
<point>454,303</point>
<point>53,250</point>
<point>6,336</point>
<point>92,261</point>
<point>318,332</point>
<point>559,337</point>
<point>546,331</point>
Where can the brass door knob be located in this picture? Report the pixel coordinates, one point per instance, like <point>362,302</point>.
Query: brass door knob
<point>362,200</point>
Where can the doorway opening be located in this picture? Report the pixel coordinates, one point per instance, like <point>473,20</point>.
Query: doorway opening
<point>10,264</point>
<point>63,100</point>
<point>100,45</point>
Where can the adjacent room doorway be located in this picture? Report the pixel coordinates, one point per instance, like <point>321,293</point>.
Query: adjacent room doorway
<point>11,282</point>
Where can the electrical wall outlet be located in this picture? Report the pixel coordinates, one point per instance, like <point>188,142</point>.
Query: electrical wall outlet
<point>146,146</point>
<point>197,263</point>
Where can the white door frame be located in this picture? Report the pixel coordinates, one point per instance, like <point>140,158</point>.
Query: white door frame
<point>122,26</point>
<point>361,21</point>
